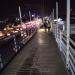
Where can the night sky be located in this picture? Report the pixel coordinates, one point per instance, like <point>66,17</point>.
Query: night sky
<point>9,8</point>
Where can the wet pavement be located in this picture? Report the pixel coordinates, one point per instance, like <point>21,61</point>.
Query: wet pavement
<point>40,56</point>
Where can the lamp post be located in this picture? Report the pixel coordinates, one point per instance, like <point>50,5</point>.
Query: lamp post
<point>20,15</point>
<point>57,21</point>
<point>30,15</point>
<point>68,32</point>
<point>53,22</point>
<point>20,19</point>
<point>22,31</point>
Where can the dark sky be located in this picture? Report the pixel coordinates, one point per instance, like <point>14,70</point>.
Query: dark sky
<point>9,8</point>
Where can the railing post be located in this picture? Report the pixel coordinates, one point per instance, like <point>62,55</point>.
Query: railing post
<point>60,40</point>
<point>55,31</point>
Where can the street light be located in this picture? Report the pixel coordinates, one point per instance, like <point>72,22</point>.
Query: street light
<point>20,15</point>
<point>20,20</point>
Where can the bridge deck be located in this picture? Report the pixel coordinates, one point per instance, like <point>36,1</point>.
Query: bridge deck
<point>40,56</point>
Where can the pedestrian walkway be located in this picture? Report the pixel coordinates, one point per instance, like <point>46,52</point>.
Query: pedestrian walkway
<point>40,56</point>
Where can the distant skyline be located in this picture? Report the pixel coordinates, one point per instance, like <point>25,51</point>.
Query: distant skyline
<point>9,8</point>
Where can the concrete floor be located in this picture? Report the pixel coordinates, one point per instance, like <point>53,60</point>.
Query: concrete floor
<point>40,56</point>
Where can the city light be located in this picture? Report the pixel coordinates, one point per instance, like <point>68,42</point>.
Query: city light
<point>59,19</point>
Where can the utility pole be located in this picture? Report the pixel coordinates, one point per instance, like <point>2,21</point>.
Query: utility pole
<point>68,32</point>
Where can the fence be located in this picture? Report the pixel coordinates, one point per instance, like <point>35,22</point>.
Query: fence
<point>61,39</point>
<point>11,45</point>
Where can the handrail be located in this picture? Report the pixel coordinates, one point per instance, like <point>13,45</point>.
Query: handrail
<point>62,37</point>
<point>72,49</point>
<point>63,32</point>
<point>72,41</point>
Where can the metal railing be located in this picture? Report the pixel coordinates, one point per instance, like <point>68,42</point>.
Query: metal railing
<point>61,39</point>
<point>12,44</point>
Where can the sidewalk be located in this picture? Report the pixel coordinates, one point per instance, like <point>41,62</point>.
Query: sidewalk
<point>39,57</point>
